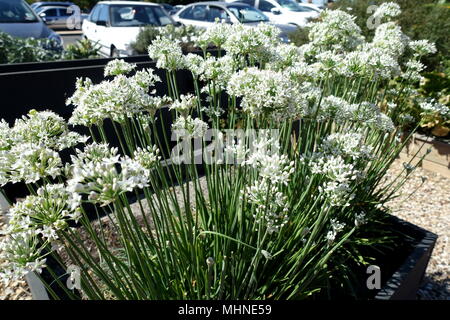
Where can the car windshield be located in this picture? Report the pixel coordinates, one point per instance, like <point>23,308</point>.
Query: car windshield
<point>247,14</point>
<point>16,12</point>
<point>292,5</point>
<point>138,15</point>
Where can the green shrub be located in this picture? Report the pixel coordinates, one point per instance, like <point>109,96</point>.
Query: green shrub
<point>83,49</point>
<point>17,50</point>
<point>184,34</point>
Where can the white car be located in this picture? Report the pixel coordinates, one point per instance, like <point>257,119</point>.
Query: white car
<point>321,4</point>
<point>284,11</point>
<point>114,25</point>
<point>204,15</point>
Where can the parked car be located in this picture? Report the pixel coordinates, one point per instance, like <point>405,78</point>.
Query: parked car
<point>321,4</point>
<point>204,14</point>
<point>19,20</point>
<point>40,4</point>
<point>116,24</point>
<point>56,16</point>
<point>283,11</point>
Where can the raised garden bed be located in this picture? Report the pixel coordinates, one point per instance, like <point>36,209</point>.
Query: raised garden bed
<point>438,160</point>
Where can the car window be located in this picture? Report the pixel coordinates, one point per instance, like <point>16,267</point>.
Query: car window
<point>163,18</point>
<point>198,12</point>
<point>249,2</point>
<point>94,14</point>
<point>16,11</point>
<point>51,12</point>
<point>217,13</point>
<point>265,6</point>
<point>103,14</point>
<point>247,14</point>
<point>63,12</point>
<point>137,15</point>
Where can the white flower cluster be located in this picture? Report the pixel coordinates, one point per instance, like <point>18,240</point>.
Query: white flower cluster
<point>336,227</point>
<point>338,162</point>
<point>347,145</point>
<point>366,113</point>
<point>29,149</point>
<point>274,171</point>
<point>265,93</point>
<point>185,104</point>
<point>94,172</point>
<point>387,10</point>
<point>422,47</point>
<point>370,62</point>
<point>118,66</point>
<point>218,71</point>
<point>45,128</point>
<point>45,213</point>
<point>167,53</point>
<point>216,35</point>
<point>360,219</point>
<point>390,38</point>
<point>413,70</point>
<point>116,99</point>
<point>20,253</point>
<point>434,108</point>
<point>336,31</point>
<point>284,56</point>
<point>255,43</point>
<point>185,127</point>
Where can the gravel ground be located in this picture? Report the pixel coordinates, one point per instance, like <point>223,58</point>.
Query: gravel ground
<point>428,208</point>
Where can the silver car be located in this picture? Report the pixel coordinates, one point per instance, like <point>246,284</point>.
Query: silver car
<point>204,14</point>
<point>56,17</point>
<point>19,20</point>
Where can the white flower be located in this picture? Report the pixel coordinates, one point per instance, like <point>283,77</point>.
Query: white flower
<point>20,253</point>
<point>95,172</point>
<point>390,38</point>
<point>194,63</point>
<point>33,162</point>
<point>147,157</point>
<point>336,31</point>
<point>167,53</point>
<point>116,99</point>
<point>347,145</point>
<point>186,127</point>
<point>253,42</point>
<point>185,104</point>
<point>422,47</point>
<point>266,93</point>
<point>336,227</point>
<point>433,108</point>
<point>45,128</point>
<point>387,10</point>
<point>360,219</point>
<point>118,66</point>
<point>218,71</point>
<point>215,34</point>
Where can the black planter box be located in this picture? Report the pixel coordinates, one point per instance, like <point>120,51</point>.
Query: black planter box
<point>406,280</point>
<point>403,284</point>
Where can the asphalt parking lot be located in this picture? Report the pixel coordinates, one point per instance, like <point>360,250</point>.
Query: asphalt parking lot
<point>70,36</point>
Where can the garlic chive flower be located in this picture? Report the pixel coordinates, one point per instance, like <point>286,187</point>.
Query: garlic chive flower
<point>118,66</point>
<point>167,53</point>
<point>188,128</point>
